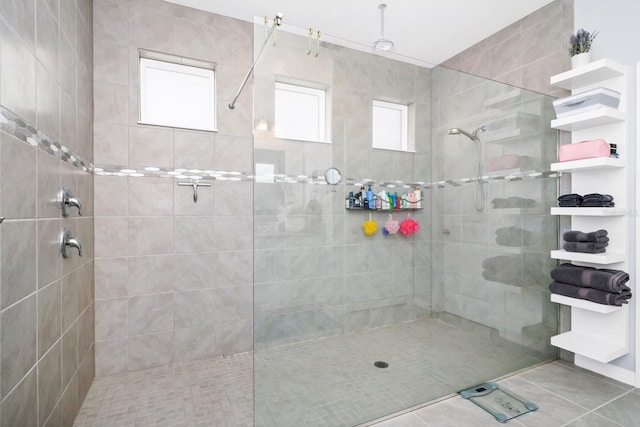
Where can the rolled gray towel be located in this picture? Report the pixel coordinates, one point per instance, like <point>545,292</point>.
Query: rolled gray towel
<point>579,236</point>
<point>597,204</point>
<point>590,294</point>
<point>588,277</point>
<point>586,247</point>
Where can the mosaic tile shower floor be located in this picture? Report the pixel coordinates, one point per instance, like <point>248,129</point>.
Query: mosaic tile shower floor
<point>324,382</point>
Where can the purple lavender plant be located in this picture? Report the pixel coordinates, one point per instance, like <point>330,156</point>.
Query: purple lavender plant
<point>580,42</point>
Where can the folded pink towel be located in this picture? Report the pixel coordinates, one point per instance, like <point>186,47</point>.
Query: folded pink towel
<point>584,150</point>
<point>506,161</point>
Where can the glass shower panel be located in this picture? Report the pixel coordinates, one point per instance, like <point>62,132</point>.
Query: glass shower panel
<point>329,300</point>
<point>491,269</point>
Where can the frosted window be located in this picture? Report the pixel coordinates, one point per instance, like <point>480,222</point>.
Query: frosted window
<point>299,113</point>
<point>390,123</point>
<point>177,95</point>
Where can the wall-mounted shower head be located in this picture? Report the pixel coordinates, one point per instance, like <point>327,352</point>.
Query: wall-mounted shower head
<point>472,136</point>
<point>458,131</point>
<point>481,129</point>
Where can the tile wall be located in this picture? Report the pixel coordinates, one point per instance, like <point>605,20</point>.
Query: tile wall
<point>46,302</point>
<point>525,53</point>
<point>173,278</point>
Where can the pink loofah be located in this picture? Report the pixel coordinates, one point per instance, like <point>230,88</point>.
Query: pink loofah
<point>409,226</point>
<point>391,226</point>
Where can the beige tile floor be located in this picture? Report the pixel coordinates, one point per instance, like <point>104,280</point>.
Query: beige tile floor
<point>218,392</point>
<point>567,396</point>
<point>333,382</point>
<point>206,393</point>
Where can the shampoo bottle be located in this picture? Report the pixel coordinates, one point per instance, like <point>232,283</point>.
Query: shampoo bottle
<point>371,198</point>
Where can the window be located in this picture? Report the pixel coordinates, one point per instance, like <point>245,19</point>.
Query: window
<point>390,126</point>
<point>177,92</point>
<point>299,112</point>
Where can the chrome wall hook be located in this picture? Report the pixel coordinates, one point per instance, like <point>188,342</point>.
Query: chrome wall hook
<point>310,40</point>
<point>317,45</point>
<point>195,184</point>
<point>266,28</point>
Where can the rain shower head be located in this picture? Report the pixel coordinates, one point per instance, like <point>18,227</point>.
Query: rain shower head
<point>382,44</point>
<point>472,136</point>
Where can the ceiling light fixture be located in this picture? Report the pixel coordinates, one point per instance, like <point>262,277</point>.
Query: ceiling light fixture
<point>382,44</point>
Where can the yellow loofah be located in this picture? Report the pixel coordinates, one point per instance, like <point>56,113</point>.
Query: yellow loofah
<point>370,227</point>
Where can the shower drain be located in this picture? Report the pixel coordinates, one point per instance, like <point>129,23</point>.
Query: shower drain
<point>380,364</point>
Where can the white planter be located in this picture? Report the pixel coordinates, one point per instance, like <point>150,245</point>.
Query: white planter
<point>580,59</point>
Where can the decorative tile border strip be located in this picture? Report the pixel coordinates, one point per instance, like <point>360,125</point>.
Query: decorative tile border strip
<point>176,173</point>
<point>220,175</point>
<point>15,126</point>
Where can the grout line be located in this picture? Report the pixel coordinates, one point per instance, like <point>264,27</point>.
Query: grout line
<point>593,411</point>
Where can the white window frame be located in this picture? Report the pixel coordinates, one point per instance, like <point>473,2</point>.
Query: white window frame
<point>154,60</point>
<point>319,95</point>
<point>404,117</point>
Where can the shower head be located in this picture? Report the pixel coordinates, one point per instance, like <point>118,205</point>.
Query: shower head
<point>382,44</point>
<point>472,136</point>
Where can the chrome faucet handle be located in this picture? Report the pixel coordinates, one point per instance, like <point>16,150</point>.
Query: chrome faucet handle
<point>67,240</point>
<point>67,200</point>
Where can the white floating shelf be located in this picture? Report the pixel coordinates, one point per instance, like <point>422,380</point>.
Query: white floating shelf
<point>588,164</point>
<point>589,211</point>
<point>598,117</point>
<point>505,99</point>
<point>502,136</point>
<point>590,74</point>
<point>590,346</point>
<point>584,304</point>
<point>605,258</point>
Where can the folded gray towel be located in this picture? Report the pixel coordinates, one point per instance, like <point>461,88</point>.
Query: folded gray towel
<point>590,294</point>
<point>512,202</point>
<point>579,236</point>
<point>588,277</point>
<point>513,236</point>
<point>508,277</point>
<point>505,269</point>
<point>586,247</point>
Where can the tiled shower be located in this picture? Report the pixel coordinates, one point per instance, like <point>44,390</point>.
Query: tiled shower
<point>252,265</point>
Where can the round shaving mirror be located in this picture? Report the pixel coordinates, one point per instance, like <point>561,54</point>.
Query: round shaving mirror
<point>332,176</point>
